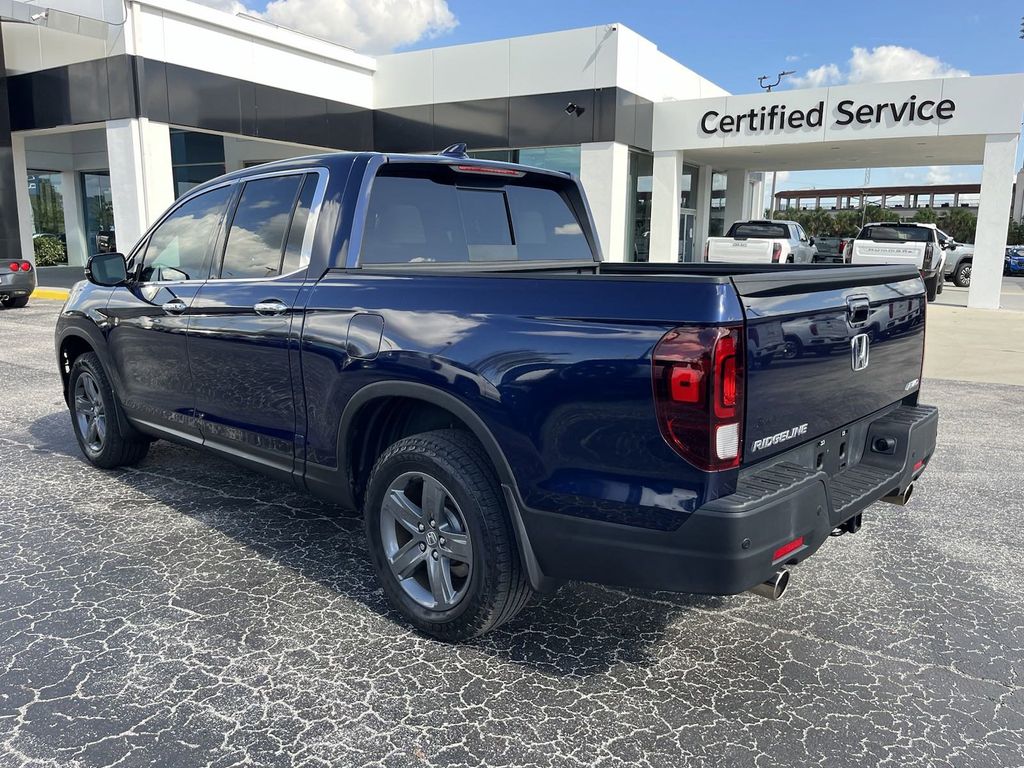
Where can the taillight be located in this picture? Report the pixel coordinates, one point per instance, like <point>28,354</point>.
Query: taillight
<point>698,394</point>
<point>928,249</point>
<point>15,266</point>
<point>26,266</point>
<point>706,248</point>
<point>776,252</point>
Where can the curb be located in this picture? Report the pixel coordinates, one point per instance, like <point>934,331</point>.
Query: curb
<point>59,294</point>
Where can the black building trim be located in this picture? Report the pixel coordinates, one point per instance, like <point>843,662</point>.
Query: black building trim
<point>10,231</point>
<point>132,86</point>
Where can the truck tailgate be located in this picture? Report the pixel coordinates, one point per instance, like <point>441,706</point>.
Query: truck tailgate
<point>853,344</point>
<point>751,251</point>
<point>885,252</point>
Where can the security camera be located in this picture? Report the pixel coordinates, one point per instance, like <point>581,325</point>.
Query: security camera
<point>42,16</point>
<point>572,108</point>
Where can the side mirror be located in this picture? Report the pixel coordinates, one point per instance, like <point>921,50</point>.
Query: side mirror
<point>810,241</point>
<point>107,269</point>
<point>952,245</point>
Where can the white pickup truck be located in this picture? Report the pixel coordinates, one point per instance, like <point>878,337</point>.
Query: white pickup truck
<point>902,243</point>
<point>762,242</point>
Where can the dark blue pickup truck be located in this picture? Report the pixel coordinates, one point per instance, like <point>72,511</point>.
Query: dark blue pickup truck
<point>435,340</point>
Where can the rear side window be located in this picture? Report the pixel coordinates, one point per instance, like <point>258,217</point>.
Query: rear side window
<point>897,234</point>
<point>759,229</point>
<point>441,216</point>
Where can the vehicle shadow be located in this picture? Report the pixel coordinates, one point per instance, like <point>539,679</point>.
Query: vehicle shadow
<point>580,630</point>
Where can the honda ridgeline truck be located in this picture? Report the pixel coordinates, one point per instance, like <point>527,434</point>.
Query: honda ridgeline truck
<point>435,341</point>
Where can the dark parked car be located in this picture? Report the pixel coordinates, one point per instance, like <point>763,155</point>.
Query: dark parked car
<point>1013,263</point>
<point>17,281</point>
<point>435,341</point>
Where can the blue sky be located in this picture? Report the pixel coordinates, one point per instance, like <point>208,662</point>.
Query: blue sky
<point>732,43</point>
<point>729,41</point>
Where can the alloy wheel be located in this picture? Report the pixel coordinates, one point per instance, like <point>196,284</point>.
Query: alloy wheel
<point>426,541</point>
<point>90,413</point>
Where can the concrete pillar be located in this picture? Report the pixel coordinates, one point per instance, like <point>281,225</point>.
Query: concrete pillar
<point>737,196</point>
<point>604,173</point>
<point>141,180</point>
<point>24,204</point>
<point>668,175</point>
<point>703,207</point>
<point>74,219</point>
<point>993,215</point>
<point>757,205</point>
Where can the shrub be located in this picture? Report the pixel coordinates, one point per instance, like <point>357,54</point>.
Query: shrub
<point>49,251</point>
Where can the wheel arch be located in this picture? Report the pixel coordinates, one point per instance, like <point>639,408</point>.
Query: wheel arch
<point>374,405</point>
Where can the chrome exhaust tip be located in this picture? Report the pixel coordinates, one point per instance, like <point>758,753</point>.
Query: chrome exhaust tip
<point>775,587</point>
<point>900,499</point>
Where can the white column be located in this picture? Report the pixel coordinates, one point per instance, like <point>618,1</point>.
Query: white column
<point>21,192</point>
<point>74,219</point>
<point>141,181</point>
<point>756,207</point>
<point>668,176</point>
<point>993,216</point>
<point>703,206</point>
<point>737,196</point>
<point>604,173</point>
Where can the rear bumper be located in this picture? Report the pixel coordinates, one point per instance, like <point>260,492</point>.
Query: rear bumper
<point>727,546</point>
<point>15,285</point>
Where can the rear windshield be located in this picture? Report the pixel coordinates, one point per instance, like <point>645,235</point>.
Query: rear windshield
<point>759,229</point>
<point>897,234</point>
<point>437,215</point>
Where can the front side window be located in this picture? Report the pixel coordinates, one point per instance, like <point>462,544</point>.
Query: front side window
<point>257,236</point>
<point>178,248</point>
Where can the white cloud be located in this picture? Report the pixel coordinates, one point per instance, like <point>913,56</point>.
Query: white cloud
<point>793,57</point>
<point>368,26</point>
<point>885,63</point>
<point>826,74</point>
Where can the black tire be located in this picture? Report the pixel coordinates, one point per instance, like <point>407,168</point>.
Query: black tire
<point>792,349</point>
<point>17,303</point>
<point>496,588</point>
<point>962,275</point>
<point>931,287</point>
<point>117,447</point>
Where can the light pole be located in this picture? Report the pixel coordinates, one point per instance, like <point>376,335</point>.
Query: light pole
<point>768,89</point>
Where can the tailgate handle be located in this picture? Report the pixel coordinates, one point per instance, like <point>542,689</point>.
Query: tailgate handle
<point>859,308</point>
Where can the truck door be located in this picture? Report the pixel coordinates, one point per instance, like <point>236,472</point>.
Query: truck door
<point>150,316</point>
<point>246,319</point>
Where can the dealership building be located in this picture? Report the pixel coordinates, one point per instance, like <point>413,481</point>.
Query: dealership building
<point>116,107</point>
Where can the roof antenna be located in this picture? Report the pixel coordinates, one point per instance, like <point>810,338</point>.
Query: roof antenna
<point>455,150</point>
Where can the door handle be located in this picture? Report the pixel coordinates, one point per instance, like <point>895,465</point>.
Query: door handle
<point>270,307</point>
<point>174,307</point>
<point>859,308</point>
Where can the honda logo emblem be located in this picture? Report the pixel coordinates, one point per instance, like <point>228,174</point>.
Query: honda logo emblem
<point>860,346</point>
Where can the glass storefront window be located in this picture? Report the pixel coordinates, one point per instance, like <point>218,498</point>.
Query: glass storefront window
<point>195,157</point>
<point>688,188</point>
<point>552,158</point>
<point>47,200</point>
<point>99,212</point>
<point>638,226</point>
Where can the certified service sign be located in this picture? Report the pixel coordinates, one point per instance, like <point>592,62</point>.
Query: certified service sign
<point>778,117</point>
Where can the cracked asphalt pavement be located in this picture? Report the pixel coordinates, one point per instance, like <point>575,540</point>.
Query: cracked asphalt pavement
<point>190,613</point>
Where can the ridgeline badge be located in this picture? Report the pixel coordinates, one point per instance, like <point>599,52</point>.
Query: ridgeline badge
<point>779,118</point>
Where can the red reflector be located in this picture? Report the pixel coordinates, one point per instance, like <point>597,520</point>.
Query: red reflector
<point>487,169</point>
<point>919,465</point>
<point>685,384</point>
<point>786,549</point>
